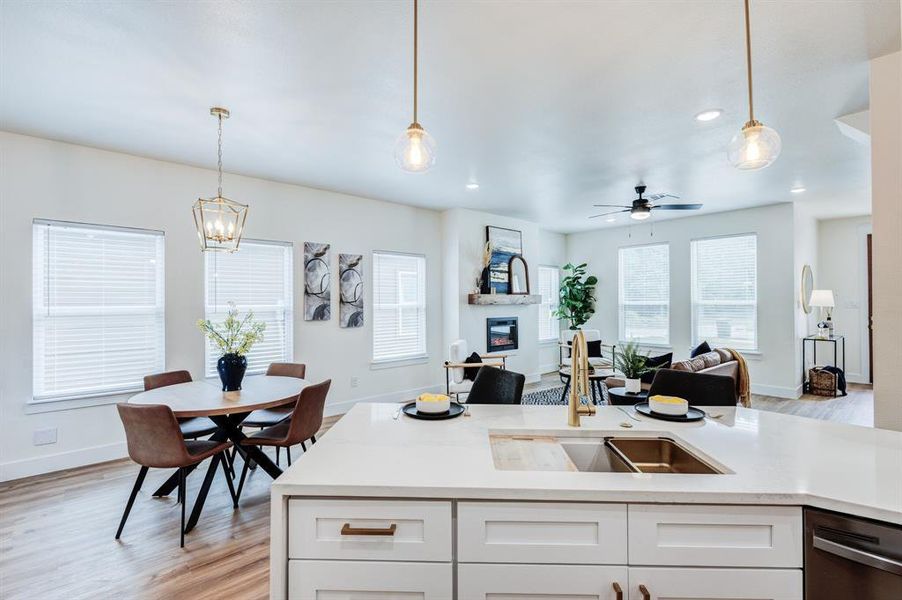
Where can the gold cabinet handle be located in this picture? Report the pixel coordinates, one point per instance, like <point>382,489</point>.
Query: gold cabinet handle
<point>646,595</point>
<point>618,590</point>
<point>346,529</point>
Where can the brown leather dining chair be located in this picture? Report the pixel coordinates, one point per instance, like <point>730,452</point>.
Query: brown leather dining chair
<point>192,427</point>
<point>306,419</point>
<point>155,441</point>
<point>267,417</point>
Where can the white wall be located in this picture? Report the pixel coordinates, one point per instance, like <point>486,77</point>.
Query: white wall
<point>552,252</point>
<point>463,234</point>
<point>886,201</point>
<point>842,267</point>
<point>47,179</point>
<point>773,371</point>
<point>805,246</point>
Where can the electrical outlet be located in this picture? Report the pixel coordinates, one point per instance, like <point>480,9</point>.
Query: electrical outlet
<point>42,437</point>
<point>355,382</point>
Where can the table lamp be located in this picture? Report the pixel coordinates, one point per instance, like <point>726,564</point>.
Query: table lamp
<point>824,299</point>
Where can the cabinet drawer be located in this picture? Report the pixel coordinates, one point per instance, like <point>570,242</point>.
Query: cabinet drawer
<point>526,532</point>
<point>716,536</point>
<point>530,582</point>
<point>722,584</point>
<point>369,530</point>
<point>357,580</point>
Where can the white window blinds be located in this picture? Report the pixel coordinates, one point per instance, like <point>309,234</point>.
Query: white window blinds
<point>258,277</point>
<point>399,306</point>
<point>725,291</point>
<point>549,288</point>
<point>644,294</point>
<point>98,309</point>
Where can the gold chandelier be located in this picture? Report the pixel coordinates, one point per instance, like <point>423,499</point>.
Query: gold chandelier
<point>219,221</point>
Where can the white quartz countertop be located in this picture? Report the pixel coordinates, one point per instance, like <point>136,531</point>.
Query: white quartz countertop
<point>774,459</point>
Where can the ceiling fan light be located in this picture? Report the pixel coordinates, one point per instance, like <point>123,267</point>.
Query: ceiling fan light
<point>415,149</point>
<point>755,147</point>
<point>640,214</point>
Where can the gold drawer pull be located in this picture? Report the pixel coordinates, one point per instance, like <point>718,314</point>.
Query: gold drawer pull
<point>646,595</point>
<point>618,590</point>
<point>346,529</point>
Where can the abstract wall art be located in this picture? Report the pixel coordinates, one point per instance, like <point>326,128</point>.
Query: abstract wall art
<point>350,290</point>
<point>317,276</point>
<point>505,243</point>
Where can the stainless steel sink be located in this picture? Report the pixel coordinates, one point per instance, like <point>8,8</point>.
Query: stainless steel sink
<point>597,457</point>
<point>659,455</point>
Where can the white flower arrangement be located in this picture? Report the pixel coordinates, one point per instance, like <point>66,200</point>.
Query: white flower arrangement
<point>234,335</point>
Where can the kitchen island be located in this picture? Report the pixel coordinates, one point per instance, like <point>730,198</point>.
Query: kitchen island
<point>504,502</point>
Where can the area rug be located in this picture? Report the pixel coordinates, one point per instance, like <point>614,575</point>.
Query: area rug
<point>544,397</point>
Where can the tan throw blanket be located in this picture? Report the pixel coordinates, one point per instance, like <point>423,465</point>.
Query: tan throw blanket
<point>744,385</point>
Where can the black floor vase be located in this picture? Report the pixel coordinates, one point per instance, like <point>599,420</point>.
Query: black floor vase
<point>231,369</point>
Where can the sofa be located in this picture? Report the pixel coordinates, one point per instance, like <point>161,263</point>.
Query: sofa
<point>716,362</point>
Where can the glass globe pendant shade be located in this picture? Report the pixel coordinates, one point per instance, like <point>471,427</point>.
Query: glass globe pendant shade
<point>220,223</point>
<point>415,149</point>
<point>756,146</point>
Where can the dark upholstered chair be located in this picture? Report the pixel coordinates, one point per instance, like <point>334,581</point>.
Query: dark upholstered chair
<point>305,420</point>
<point>191,427</point>
<point>267,417</point>
<point>699,389</point>
<point>155,441</point>
<point>496,386</point>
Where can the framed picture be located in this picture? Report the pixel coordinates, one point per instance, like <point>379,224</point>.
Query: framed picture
<point>506,243</point>
<point>317,275</point>
<point>350,290</point>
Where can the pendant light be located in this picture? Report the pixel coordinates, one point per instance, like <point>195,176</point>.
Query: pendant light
<point>219,221</point>
<point>756,146</point>
<point>415,149</point>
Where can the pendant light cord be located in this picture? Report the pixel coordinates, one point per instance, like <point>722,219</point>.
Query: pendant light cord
<point>748,58</point>
<point>415,45</point>
<point>219,156</point>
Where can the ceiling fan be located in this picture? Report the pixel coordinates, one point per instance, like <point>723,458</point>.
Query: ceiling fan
<point>641,207</point>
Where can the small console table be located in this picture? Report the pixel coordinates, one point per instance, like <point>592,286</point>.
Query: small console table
<point>835,340</point>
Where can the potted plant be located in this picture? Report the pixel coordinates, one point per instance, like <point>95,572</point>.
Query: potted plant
<point>234,337</point>
<point>632,364</point>
<point>577,296</point>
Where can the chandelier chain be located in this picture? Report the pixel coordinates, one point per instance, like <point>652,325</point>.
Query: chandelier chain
<point>219,156</point>
<point>416,21</point>
<point>748,59</point>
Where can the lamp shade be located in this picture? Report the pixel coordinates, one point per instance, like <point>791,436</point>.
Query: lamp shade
<point>822,298</point>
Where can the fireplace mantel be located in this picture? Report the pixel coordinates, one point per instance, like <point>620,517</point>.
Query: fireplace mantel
<point>503,299</point>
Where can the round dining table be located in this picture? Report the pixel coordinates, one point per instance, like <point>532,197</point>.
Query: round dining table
<point>227,410</point>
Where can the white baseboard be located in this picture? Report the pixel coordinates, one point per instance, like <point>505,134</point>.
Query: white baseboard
<point>64,460</point>
<point>339,408</point>
<point>791,393</point>
<point>549,368</point>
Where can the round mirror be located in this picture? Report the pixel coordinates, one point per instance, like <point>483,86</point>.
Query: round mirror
<point>806,288</point>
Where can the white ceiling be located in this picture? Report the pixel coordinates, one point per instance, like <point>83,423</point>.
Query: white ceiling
<point>550,106</point>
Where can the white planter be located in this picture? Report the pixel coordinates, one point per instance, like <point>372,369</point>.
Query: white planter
<point>633,386</point>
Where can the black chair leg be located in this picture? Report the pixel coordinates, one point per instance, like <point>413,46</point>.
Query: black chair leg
<point>182,495</point>
<point>288,454</point>
<point>303,446</point>
<point>202,494</point>
<point>241,483</point>
<point>312,439</point>
<point>131,499</point>
<point>277,455</point>
<point>228,478</point>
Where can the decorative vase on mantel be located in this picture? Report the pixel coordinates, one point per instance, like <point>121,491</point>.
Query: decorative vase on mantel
<point>485,285</point>
<point>231,369</point>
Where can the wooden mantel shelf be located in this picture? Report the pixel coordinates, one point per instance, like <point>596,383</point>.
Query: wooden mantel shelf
<point>505,299</point>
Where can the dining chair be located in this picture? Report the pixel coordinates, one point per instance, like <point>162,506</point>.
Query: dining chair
<point>306,419</point>
<point>698,389</point>
<point>267,417</point>
<point>496,386</point>
<point>191,427</point>
<point>155,440</point>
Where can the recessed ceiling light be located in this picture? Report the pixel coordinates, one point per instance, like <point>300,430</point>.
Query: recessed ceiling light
<point>611,219</point>
<point>797,189</point>
<point>708,115</point>
<point>472,186</point>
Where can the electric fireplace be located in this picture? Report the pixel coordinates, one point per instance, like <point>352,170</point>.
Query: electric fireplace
<point>501,334</point>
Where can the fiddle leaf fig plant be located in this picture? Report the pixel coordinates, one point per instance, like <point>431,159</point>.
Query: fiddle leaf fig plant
<point>577,295</point>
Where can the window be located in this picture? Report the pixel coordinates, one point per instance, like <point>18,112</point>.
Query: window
<point>97,303</point>
<point>259,278</point>
<point>644,294</point>
<point>399,306</point>
<point>725,291</point>
<point>549,288</point>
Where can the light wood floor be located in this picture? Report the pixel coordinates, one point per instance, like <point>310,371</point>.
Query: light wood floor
<point>56,530</point>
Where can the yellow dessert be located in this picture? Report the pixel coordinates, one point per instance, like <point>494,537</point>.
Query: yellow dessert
<point>433,403</point>
<point>668,405</point>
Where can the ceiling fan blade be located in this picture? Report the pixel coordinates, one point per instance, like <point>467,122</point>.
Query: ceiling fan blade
<point>654,197</point>
<point>612,205</point>
<point>616,212</point>
<point>678,206</point>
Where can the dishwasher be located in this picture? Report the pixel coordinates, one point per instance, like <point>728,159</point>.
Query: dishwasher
<point>848,558</point>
